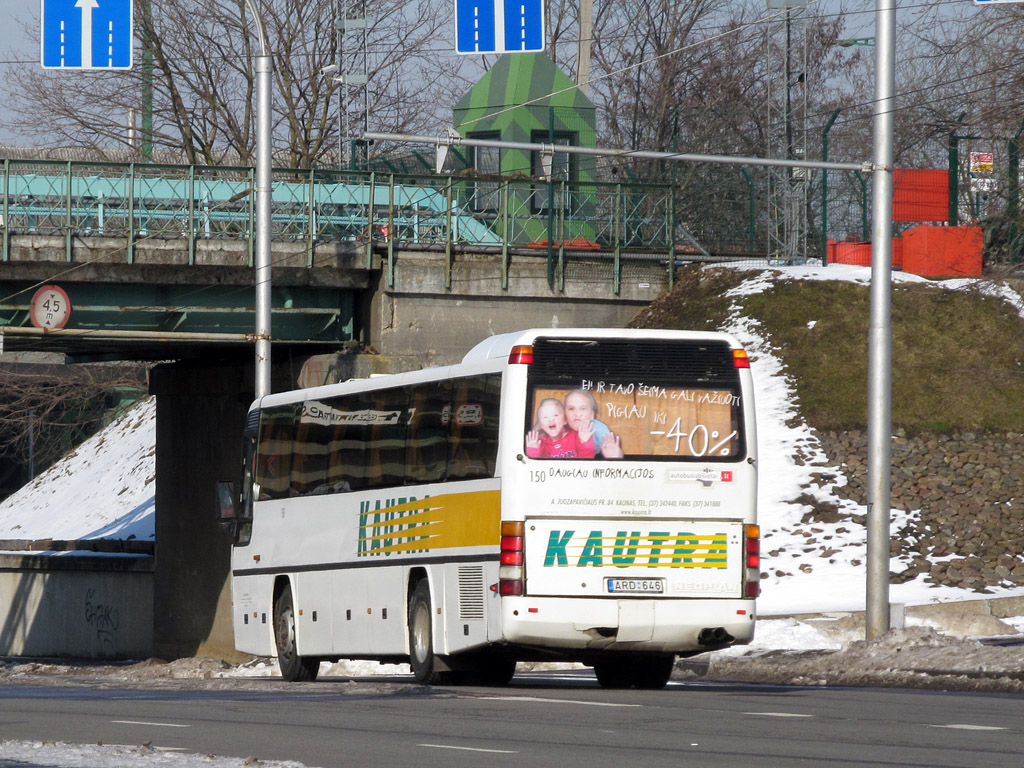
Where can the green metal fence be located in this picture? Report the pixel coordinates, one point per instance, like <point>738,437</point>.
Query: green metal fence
<point>705,213</point>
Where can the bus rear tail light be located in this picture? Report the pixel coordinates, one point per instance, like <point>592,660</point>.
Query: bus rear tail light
<point>510,563</point>
<point>521,355</point>
<point>752,560</point>
<point>740,359</point>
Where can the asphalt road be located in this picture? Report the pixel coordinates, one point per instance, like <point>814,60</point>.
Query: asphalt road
<point>540,720</point>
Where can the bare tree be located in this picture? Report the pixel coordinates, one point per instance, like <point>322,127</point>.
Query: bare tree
<point>197,57</point>
<point>45,411</point>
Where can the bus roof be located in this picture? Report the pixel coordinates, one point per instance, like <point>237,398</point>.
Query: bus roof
<point>501,345</point>
<point>482,357</point>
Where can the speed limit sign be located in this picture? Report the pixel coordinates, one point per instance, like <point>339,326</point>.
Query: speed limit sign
<point>50,308</point>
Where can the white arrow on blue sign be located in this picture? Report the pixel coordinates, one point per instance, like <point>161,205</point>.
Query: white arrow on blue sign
<point>499,26</point>
<point>87,34</point>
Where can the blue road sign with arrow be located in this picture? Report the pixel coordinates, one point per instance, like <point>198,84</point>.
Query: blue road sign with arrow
<point>499,26</point>
<point>87,34</point>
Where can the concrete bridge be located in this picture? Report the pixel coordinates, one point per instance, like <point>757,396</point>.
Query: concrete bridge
<point>154,256</point>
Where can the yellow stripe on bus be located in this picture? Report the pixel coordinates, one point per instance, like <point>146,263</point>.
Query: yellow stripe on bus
<point>446,521</point>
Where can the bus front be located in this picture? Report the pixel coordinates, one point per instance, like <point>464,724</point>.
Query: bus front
<point>629,531</point>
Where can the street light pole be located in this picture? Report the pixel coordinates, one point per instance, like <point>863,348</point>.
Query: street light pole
<point>876,616</point>
<point>264,75</point>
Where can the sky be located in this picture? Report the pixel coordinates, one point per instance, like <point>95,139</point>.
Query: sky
<point>18,49</point>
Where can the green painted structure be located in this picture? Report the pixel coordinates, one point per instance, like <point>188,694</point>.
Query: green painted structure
<point>525,97</point>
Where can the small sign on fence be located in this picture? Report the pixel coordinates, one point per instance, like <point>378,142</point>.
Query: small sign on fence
<point>981,162</point>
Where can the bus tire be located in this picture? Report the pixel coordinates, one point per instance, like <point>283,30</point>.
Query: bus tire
<point>294,668</point>
<point>652,673</point>
<point>614,673</point>
<point>421,638</point>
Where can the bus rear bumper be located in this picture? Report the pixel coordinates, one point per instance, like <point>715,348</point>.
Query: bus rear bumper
<point>662,625</point>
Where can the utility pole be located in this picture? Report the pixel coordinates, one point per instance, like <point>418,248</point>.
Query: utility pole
<point>787,118</point>
<point>352,22</point>
<point>586,31</point>
<point>876,616</point>
<point>147,83</point>
<point>264,74</point>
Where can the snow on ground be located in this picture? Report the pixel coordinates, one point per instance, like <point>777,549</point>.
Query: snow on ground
<point>821,569</point>
<point>101,490</point>
<point>33,754</point>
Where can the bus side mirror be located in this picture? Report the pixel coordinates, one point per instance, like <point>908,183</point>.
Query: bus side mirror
<point>227,505</point>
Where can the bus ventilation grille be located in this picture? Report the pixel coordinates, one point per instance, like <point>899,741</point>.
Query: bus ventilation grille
<point>471,592</point>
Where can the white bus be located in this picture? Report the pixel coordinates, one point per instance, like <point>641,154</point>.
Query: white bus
<point>580,495</point>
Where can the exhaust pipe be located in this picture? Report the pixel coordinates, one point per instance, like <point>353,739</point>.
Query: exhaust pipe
<point>714,636</point>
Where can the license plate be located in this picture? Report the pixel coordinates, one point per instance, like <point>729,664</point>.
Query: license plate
<point>636,586</point>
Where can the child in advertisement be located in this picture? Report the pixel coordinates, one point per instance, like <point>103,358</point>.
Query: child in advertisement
<point>581,411</point>
<point>553,438</point>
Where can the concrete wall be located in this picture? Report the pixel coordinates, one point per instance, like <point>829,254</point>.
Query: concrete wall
<point>419,321</point>
<point>98,255</point>
<point>200,413</point>
<point>78,606</point>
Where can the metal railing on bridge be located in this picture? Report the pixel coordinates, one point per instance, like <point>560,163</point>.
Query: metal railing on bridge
<point>557,220</point>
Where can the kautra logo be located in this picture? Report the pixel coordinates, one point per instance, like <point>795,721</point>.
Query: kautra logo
<point>655,549</point>
<point>726,475</point>
<point>386,527</point>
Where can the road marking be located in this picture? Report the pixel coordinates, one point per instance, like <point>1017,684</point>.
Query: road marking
<point>470,749</point>
<point>777,714</point>
<point>143,722</point>
<point>969,727</point>
<point>560,701</point>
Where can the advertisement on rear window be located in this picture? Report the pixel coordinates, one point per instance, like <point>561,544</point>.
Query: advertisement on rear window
<point>616,420</point>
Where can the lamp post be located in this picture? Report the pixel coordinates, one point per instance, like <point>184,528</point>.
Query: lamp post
<point>264,73</point>
<point>876,616</point>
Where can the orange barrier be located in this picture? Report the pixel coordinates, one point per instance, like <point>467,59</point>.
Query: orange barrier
<point>576,244</point>
<point>920,195</point>
<point>943,251</point>
<point>859,254</point>
<point>924,250</point>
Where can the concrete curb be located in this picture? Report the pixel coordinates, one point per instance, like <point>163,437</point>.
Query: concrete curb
<point>964,618</point>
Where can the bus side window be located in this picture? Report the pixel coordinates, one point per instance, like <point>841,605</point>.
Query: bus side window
<point>386,447</point>
<point>474,427</point>
<point>347,445</point>
<point>309,465</point>
<point>274,457</point>
<point>243,525</point>
<point>427,446</point>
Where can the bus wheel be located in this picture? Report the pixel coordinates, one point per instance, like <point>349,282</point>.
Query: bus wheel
<point>653,672</point>
<point>614,673</point>
<point>294,668</point>
<point>421,642</point>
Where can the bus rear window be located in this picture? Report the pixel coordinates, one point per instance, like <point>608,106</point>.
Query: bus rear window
<point>614,399</point>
